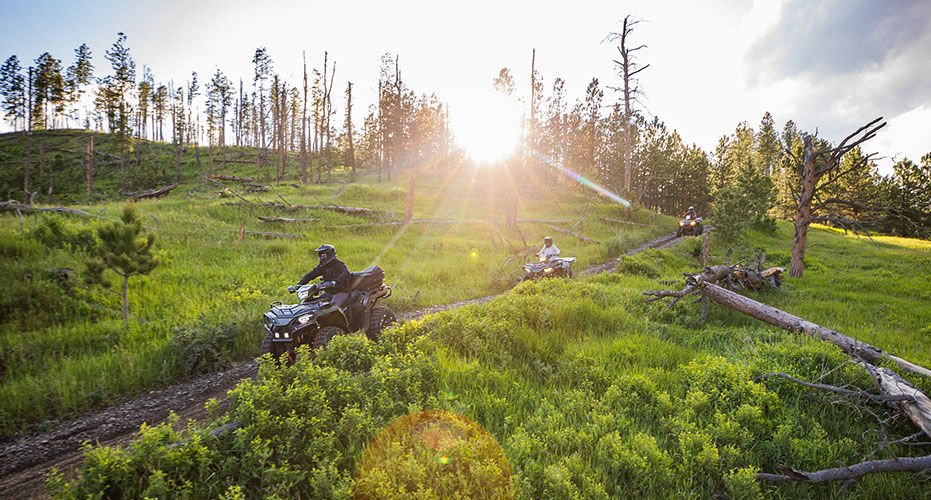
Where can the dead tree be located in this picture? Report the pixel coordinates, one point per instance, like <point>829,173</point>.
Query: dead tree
<point>628,69</point>
<point>814,165</point>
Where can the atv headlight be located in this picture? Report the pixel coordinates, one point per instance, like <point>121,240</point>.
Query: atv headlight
<point>681,223</point>
<point>277,335</point>
<point>305,318</point>
<point>286,335</point>
<point>302,295</point>
<point>548,270</point>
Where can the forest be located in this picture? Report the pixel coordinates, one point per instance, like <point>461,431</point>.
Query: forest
<point>294,131</point>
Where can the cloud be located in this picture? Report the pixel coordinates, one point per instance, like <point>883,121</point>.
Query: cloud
<point>852,60</point>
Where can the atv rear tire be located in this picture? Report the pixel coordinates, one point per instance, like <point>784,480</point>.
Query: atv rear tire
<point>324,336</point>
<point>381,317</point>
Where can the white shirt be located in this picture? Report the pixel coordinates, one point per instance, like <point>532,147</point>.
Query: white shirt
<point>548,252</point>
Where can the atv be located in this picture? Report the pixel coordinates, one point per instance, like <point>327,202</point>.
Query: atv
<point>316,320</point>
<point>690,225</point>
<point>556,267</point>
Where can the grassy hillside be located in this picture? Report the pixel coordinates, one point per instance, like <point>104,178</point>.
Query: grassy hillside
<point>63,348</point>
<point>589,392</point>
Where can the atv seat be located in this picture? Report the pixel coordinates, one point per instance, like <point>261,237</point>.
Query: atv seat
<point>367,279</point>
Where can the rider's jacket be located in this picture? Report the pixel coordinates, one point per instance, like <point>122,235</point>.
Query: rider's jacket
<point>334,271</point>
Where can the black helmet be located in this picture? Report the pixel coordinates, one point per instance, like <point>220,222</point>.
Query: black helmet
<point>326,253</point>
<point>547,240</point>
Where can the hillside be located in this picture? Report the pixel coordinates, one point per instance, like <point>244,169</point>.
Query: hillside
<point>587,391</point>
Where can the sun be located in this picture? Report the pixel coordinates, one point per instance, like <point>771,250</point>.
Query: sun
<point>487,126</point>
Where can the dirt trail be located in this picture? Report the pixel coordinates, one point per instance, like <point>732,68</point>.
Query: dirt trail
<point>26,458</point>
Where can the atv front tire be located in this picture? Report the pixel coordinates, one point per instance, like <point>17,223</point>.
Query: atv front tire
<point>379,320</point>
<point>324,336</point>
<point>266,345</point>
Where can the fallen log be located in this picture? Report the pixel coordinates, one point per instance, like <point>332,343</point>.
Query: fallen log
<point>901,464</point>
<point>335,208</point>
<point>153,193</point>
<point>230,178</point>
<point>255,188</point>
<point>14,206</point>
<point>284,219</point>
<point>546,221</point>
<point>776,317</point>
<point>271,235</point>
<point>586,239</point>
<point>619,221</point>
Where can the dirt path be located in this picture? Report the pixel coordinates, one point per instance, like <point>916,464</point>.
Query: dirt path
<point>26,458</point>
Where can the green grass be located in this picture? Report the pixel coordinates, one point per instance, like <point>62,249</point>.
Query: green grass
<point>63,348</point>
<point>590,391</point>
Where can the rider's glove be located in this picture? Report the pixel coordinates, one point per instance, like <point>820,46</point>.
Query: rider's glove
<point>328,284</point>
<point>292,289</point>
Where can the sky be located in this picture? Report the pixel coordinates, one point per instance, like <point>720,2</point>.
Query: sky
<point>830,66</point>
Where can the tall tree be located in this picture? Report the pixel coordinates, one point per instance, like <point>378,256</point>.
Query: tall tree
<point>768,147</point>
<point>78,76</point>
<point>304,126</point>
<point>263,70</point>
<point>116,92</point>
<point>219,98</point>
<point>628,68</point>
<point>13,90</point>
<point>48,92</point>
<point>350,150</point>
<point>815,163</point>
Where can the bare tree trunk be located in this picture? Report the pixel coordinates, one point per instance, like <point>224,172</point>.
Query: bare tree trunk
<point>89,166</point>
<point>409,209</point>
<point>26,171</point>
<point>304,128</point>
<point>803,211</point>
<point>125,296</point>
<point>350,153</point>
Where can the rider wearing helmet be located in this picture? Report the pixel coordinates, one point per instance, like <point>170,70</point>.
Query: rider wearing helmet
<point>690,214</point>
<point>335,275</point>
<point>549,250</point>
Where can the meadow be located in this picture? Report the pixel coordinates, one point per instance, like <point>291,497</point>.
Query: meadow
<point>589,392</point>
<point>64,350</point>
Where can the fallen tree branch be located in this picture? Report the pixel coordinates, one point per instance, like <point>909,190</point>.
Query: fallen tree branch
<point>284,219</point>
<point>902,464</point>
<point>619,221</point>
<point>271,235</point>
<point>153,193</point>
<point>335,208</point>
<point>876,398</point>
<point>566,231</point>
<point>230,178</point>
<point>15,206</point>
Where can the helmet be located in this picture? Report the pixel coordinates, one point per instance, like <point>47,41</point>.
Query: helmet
<point>548,240</point>
<point>691,208</point>
<point>326,253</point>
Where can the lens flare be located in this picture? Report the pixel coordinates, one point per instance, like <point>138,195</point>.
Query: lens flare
<point>581,179</point>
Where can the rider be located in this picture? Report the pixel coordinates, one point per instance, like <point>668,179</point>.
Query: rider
<point>690,214</point>
<point>335,275</point>
<point>549,250</point>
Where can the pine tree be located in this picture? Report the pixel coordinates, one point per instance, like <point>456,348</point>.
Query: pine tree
<point>48,92</point>
<point>124,249</point>
<point>78,76</point>
<point>13,90</point>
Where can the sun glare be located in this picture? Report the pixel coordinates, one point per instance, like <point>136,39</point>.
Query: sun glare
<point>488,127</point>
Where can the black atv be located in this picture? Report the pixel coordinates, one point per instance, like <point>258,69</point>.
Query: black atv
<point>315,320</point>
<point>690,225</point>
<point>556,267</point>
